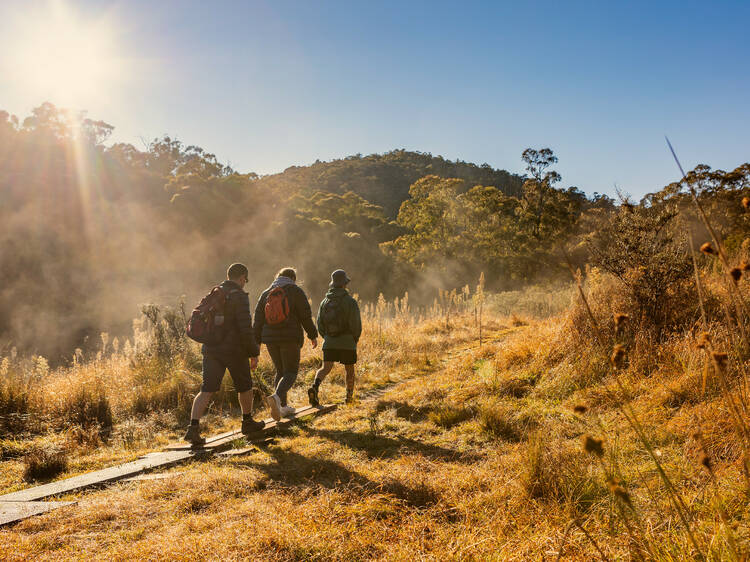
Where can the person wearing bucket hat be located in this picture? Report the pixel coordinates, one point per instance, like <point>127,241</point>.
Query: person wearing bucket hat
<point>340,324</point>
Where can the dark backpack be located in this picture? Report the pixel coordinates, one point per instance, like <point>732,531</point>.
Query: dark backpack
<point>277,306</point>
<point>334,318</point>
<point>207,321</point>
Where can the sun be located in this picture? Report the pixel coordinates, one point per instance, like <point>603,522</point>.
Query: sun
<point>57,55</point>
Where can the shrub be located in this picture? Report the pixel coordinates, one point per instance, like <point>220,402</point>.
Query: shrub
<point>553,472</point>
<point>500,419</point>
<point>87,408</point>
<point>44,463</point>
<point>447,416</point>
<point>638,247</point>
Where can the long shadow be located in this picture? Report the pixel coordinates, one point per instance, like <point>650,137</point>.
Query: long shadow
<point>293,470</point>
<point>403,410</point>
<point>377,446</point>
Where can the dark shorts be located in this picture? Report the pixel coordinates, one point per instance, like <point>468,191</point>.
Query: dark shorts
<point>343,356</point>
<point>214,367</point>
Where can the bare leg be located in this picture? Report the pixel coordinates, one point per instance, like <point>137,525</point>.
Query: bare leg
<point>201,402</point>
<point>349,381</point>
<point>323,371</point>
<point>246,401</point>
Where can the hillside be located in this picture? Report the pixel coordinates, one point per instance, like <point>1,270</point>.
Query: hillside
<point>531,446</point>
<point>384,179</point>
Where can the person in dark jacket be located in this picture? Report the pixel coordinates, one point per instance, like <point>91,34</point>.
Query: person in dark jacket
<point>280,316</point>
<point>340,324</point>
<point>231,353</point>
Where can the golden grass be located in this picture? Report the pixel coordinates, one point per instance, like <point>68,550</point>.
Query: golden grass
<point>463,453</point>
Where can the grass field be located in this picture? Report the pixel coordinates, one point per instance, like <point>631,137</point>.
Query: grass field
<point>524,448</point>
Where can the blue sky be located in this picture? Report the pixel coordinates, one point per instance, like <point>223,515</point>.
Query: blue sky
<point>270,84</point>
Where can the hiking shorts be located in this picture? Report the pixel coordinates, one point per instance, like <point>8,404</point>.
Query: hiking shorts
<point>343,356</point>
<point>214,367</point>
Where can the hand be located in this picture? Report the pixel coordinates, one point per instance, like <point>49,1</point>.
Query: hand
<point>253,363</point>
<point>314,343</point>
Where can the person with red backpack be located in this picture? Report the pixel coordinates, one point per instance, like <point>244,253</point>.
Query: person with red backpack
<point>222,323</point>
<point>340,324</point>
<point>282,312</point>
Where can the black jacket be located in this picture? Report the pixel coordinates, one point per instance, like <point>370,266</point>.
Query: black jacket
<point>300,316</point>
<point>239,336</point>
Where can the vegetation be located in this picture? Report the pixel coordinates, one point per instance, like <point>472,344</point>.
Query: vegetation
<point>602,417</point>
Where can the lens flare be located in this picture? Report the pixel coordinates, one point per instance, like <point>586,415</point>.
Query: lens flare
<point>57,55</point>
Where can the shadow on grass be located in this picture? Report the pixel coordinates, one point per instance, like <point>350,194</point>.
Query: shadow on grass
<point>378,446</point>
<point>294,470</point>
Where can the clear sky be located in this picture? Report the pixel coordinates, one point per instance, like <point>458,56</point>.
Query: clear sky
<point>269,84</point>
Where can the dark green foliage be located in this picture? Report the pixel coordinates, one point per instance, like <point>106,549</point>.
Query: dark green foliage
<point>641,248</point>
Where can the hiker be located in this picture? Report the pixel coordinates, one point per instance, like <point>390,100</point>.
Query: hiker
<point>280,315</point>
<point>340,325</point>
<point>236,343</point>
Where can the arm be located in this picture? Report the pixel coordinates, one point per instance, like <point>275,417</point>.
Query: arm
<point>244,325</point>
<point>260,317</point>
<point>304,314</point>
<point>355,321</point>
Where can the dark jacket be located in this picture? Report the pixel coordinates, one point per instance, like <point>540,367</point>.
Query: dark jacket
<point>350,311</point>
<point>300,316</point>
<point>239,337</point>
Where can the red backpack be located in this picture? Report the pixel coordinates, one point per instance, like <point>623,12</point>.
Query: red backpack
<point>206,323</point>
<point>277,306</point>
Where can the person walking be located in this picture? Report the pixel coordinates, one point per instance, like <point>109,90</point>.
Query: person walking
<point>340,324</point>
<point>235,344</point>
<point>281,314</point>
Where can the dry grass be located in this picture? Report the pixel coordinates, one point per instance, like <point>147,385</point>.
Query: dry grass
<point>466,453</point>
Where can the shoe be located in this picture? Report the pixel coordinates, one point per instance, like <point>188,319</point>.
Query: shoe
<point>193,435</point>
<point>274,403</point>
<point>287,411</point>
<point>350,397</point>
<point>312,395</point>
<point>251,426</point>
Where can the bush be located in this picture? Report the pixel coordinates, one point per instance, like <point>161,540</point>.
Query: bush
<point>501,419</point>
<point>87,408</point>
<point>554,473</point>
<point>44,463</point>
<point>638,247</point>
<point>448,416</point>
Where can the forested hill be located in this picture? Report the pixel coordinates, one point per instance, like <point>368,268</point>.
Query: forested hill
<point>384,179</point>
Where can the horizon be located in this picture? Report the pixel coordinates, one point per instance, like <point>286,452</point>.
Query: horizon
<point>278,85</point>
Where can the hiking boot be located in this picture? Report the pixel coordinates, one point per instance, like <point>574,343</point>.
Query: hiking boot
<point>287,411</point>
<point>312,395</point>
<point>251,426</point>
<point>193,435</point>
<point>274,403</point>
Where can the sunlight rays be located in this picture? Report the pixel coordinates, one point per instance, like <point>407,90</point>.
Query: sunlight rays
<point>57,54</point>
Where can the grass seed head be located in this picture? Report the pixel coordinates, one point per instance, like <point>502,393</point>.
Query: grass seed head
<point>619,491</point>
<point>593,445</point>
<point>736,273</point>
<point>618,355</point>
<point>704,341</point>
<point>720,359</point>
<point>708,249</point>
<point>746,202</point>
<point>705,461</point>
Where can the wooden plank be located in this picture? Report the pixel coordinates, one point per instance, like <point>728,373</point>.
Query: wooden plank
<point>12,512</point>
<point>98,477</point>
<point>254,447</point>
<point>219,442</point>
<point>152,476</point>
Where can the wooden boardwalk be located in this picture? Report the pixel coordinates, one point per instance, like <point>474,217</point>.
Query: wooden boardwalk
<point>26,503</point>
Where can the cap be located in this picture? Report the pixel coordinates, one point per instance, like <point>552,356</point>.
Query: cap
<point>339,278</point>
